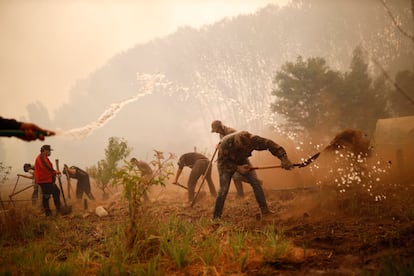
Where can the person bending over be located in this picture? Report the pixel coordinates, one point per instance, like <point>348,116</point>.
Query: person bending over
<point>199,165</point>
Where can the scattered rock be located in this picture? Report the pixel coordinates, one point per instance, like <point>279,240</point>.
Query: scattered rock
<point>101,212</point>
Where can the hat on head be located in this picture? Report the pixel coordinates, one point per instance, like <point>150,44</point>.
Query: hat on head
<point>215,125</point>
<point>45,147</point>
<point>27,167</point>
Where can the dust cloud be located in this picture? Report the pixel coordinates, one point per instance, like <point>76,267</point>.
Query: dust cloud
<point>349,165</point>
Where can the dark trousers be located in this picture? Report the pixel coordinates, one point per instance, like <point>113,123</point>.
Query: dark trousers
<point>49,189</point>
<point>251,178</point>
<point>35,193</point>
<point>83,186</point>
<point>199,168</point>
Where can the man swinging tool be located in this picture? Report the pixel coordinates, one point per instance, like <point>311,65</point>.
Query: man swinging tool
<point>234,151</point>
<point>218,127</point>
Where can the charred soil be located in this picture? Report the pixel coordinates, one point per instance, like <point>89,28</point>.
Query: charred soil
<point>330,232</point>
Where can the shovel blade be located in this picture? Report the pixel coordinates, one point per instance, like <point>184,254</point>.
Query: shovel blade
<point>309,160</point>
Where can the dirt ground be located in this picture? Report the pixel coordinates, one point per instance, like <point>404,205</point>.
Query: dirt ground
<point>341,222</point>
<point>331,234</point>
<point>365,228</point>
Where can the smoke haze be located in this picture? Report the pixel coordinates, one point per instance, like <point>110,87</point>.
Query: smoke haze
<point>219,71</point>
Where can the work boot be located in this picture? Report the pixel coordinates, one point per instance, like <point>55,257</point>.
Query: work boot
<point>267,214</point>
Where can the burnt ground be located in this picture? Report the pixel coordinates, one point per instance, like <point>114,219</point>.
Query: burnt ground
<point>332,230</point>
<point>332,233</point>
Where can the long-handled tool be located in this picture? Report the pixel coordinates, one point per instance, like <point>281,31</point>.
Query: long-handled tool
<point>66,172</point>
<point>182,186</point>
<point>246,168</point>
<point>204,177</point>
<point>66,209</point>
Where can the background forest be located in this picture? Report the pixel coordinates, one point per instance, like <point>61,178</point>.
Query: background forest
<point>317,66</point>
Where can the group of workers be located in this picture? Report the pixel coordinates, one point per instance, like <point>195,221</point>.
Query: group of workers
<point>45,176</point>
<point>234,150</point>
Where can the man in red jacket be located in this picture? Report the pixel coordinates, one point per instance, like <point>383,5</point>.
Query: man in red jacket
<point>45,177</point>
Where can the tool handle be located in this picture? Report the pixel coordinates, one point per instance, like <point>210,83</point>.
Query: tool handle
<point>264,167</point>
<point>204,177</point>
<point>57,164</point>
<point>273,167</point>
<point>182,186</point>
<point>25,176</point>
<point>60,181</point>
<point>66,170</point>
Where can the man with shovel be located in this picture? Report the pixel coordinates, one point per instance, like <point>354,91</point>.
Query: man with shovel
<point>233,153</point>
<point>199,165</point>
<point>45,177</point>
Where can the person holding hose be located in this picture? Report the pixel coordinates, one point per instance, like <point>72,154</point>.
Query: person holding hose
<point>23,130</point>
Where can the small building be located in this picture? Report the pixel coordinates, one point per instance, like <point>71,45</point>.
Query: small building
<point>394,141</point>
<point>395,131</point>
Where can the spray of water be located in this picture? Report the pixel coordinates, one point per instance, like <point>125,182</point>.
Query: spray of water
<point>211,98</point>
<point>150,82</point>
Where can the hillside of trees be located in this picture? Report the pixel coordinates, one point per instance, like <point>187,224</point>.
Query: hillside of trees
<point>227,71</point>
